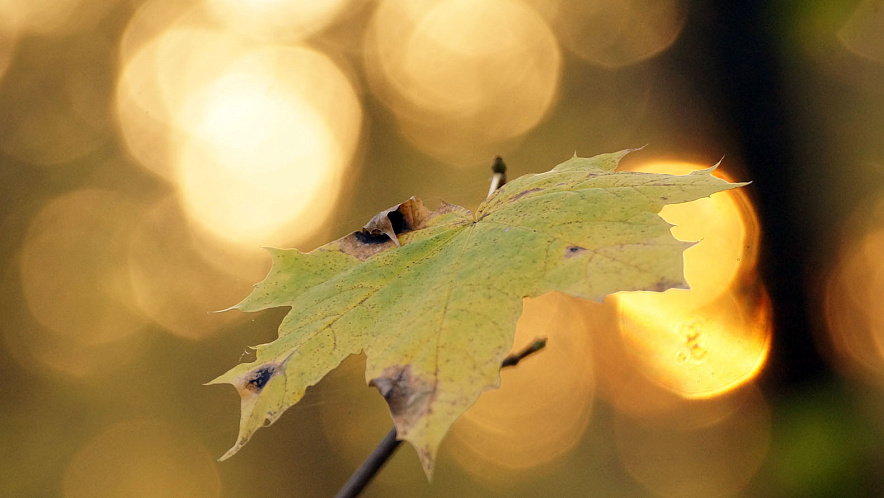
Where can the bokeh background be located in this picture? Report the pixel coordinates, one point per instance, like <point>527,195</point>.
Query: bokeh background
<point>150,148</point>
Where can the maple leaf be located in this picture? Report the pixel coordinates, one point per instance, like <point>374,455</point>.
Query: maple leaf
<point>432,298</point>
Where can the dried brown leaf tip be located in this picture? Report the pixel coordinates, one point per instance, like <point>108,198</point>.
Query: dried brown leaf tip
<point>384,227</point>
<point>410,395</point>
<point>400,218</point>
<point>407,394</point>
<point>381,225</point>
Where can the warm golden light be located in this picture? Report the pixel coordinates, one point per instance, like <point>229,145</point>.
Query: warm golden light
<point>53,121</point>
<point>269,140</point>
<point>157,79</point>
<point>464,78</point>
<point>853,298</point>
<point>47,353</point>
<point>71,270</point>
<point>174,285</point>
<point>727,229</point>
<point>276,19</point>
<point>709,448</point>
<point>142,458</point>
<point>699,352</point>
<point>621,377</point>
<point>544,403</point>
<point>863,33</point>
<point>74,282</point>
<point>714,337</point>
<point>8,43</point>
<point>53,17</point>
<point>617,34</point>
<point>253,136</point>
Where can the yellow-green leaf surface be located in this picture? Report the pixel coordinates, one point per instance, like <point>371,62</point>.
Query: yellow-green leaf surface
<point>432,298</point>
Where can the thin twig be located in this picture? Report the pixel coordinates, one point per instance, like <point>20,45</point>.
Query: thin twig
<point>514,359</point>
<point>371,466</point>
<point>385,449</point>
<point>499,177</point>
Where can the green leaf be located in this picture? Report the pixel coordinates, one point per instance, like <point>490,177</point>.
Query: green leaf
<point>434,308</point>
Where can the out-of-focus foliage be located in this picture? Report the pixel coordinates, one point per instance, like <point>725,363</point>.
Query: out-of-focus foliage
<point>144,142</point>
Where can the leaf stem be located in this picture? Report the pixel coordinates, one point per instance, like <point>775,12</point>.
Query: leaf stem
<point>499,178</point>
<point>385,449</point>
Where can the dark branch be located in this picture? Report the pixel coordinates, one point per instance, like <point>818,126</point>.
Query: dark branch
<point>371,466</point>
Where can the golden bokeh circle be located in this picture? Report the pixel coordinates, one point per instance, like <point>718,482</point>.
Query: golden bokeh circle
<point>716,336</point>
<point>269,140</point>
<point>173,284</point>
<point>276,20</point>
<point>55,18</point>
<point>55,112</point>
<point>725,228</point>
<point>862,33</point>
<point>544,403</point>
<point>72,267</point>
<point>709,448</point>
<point>157,78</point>
<point>463,78</point>
<point>852,290</point>
<point>142,458</point>
<point>46,353</point>
<point>702,352</point>
<point>8,42</point>
<point>618,34</point>
<point>253,135</point>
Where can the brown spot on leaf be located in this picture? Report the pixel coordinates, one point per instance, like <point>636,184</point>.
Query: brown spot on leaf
<point>259,378</point>
<point>572,251</point>
<point>251,383</point>
<point>359,246</point>
<point>408,395</point>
